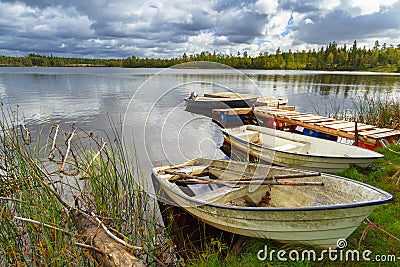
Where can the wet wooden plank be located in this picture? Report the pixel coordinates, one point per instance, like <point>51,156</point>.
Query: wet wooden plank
<point>307,118</point>
<point>304,116</point>
<point>339,126</point>
<point>375,131</point>
<point>291,120</point>
<point>245,111</point>
<point>359,128</point>
<point>319,120</point>
<point>288,108</point>
<point>293,115</point>
<point>232,111</point>
<point>330,123</point>
<point>386,134</point>
<point>279,112</point>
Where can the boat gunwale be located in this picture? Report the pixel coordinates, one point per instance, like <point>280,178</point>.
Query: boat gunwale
<point>212,99</point>
<point>377,155</point>
<point>389,198</point>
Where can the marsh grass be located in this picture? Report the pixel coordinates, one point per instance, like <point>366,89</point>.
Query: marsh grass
<point>379,112</point>
<point>382,175</point>
<point>27,191</point>
<point>382,112</point>
<point>45,183</point>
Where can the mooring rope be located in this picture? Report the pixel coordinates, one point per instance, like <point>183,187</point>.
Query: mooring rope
<point>369,226</point>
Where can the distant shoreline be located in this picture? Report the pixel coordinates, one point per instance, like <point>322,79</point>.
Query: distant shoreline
<point>329,58</point>
<point>196,68</point>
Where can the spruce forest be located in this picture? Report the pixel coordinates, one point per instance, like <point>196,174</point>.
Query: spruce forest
<point>381,58</point>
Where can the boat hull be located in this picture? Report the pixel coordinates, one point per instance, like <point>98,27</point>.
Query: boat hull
<point>323,163</point>
<point>220,103</point>
<point>317,216</point>
<point>320,228</point>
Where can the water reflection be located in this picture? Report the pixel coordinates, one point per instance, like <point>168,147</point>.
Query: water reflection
<point>156,114</point>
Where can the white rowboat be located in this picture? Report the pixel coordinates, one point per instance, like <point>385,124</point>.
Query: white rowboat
<point>311,214</point>
<point>298,151</point>
<point>220,103</point>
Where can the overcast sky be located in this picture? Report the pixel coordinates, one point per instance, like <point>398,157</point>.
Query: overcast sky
<point>164,29</point>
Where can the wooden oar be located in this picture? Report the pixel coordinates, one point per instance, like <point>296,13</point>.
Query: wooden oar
<point>283,176</point>
<point>186,182</point>
<point>203,180</point>
<point>184,175</point>
<point>290,176</point>
<point>245,177</point>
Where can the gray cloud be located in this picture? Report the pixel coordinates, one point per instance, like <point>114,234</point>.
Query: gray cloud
<point>339,25</point>
<point>221,5</point>
<point>122,28</point>
<point>245,26</point>
<point>300,6</point>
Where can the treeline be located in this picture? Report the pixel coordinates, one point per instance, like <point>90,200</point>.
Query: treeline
<point>34,60</point>
<point>332,57</point>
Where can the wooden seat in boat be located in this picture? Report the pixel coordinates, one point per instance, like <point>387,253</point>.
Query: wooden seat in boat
<point>215,194</point>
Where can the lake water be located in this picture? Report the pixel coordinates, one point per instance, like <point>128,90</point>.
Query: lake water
<point>149,102</point>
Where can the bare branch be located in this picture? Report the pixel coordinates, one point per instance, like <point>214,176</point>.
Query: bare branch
<point>42,224</point>
<point>68,149</point>
<point>53,146</point>
<point>90,247</point>
<point>122,242</point>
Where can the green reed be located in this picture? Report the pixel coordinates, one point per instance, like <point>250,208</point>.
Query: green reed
<point>45,183</point>
<point>119,193</point>
<point>28,193</point>
<point>377,111</point>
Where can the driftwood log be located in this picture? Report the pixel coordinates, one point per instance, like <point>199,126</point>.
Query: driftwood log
<point>108,251</point>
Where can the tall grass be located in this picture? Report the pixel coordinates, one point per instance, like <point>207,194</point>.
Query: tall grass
<point>380,112</point>
<point>28,192</point>
<point>45,184</point>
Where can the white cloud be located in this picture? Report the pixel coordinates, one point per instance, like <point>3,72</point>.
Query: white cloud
<point>174,14</point>
<point>266,6</point>
<point>277,24</point>
<point>328,5</point>
<point>203,39</point>
<point>308,21</point>
<point>367,7</point>
<point>51,21</point>
<point>222,39</point>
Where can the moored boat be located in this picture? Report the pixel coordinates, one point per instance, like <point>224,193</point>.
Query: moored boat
<point>271,202</point>
<point>298,151</point>
<point>220,102</point>
<point>261,100</point>
<point>271,101</point>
